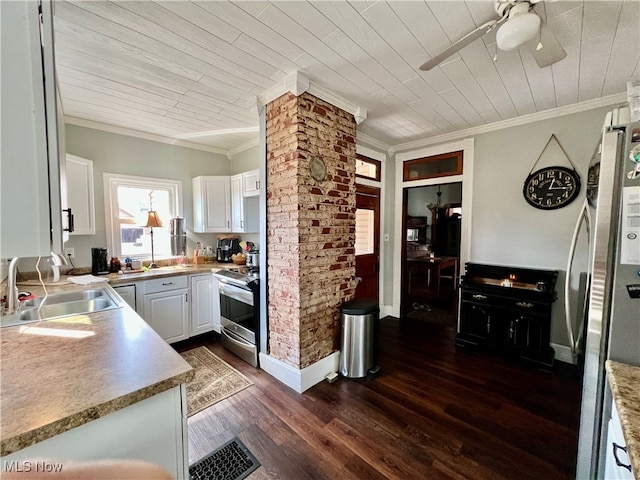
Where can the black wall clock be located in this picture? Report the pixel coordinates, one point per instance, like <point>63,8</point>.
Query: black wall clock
<point>551,187</point>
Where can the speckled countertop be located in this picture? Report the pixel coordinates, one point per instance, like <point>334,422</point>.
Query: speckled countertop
<point>625,386</point>
<point>115,278</point>
<point>58,374</point>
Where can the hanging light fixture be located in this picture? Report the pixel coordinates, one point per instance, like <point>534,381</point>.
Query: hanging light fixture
<point>522,26</point>
<point>433,206</point>
<point>153,221</point>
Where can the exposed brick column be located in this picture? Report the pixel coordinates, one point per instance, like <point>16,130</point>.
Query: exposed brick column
<point>310,226</point>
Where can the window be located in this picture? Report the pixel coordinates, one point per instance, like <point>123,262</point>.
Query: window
<point>365,229</point>
<point>127,203</point>
<point>432,167</point>
<point>367,167</point>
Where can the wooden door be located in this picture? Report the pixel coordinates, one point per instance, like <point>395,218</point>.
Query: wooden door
<point>367,241</point>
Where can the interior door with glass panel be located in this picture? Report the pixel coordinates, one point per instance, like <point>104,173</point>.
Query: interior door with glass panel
<point>367,241</point>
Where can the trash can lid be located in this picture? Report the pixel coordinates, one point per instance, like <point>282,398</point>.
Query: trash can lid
<point>360,306</point>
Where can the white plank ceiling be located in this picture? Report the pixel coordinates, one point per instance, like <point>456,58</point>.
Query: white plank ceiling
<point>191,71</point>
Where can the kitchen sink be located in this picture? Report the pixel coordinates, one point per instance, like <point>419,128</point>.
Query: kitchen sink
<point>62,305</point>
<point>67,308</point>
<point>65,297</point>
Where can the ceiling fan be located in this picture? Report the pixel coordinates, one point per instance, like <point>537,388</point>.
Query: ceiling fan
<point>518,26</point>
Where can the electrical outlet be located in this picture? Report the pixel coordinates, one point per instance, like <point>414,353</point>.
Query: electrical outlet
<point>69,252</point>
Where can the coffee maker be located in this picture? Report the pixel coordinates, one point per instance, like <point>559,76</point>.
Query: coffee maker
<point>226,248</point>
<point>99,263</point>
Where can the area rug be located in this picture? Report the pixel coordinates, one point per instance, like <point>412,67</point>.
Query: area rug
<point>214,380</point>
<point>231,461</point>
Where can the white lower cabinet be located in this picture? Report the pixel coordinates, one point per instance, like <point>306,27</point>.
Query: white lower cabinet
<point>202,305</point>
<point>617,463</point>
<point>154,429</point>
<point>166,307</point>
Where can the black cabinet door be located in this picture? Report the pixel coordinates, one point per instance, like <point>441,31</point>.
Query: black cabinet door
<point>475,323</point>
<point>527,333</point>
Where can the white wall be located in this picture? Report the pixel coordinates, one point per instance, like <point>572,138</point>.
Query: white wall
<point>245,160</point>
<point>115,153</point>
<point>505,230</point>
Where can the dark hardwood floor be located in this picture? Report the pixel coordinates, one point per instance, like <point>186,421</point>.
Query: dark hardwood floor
<point>435,411</point>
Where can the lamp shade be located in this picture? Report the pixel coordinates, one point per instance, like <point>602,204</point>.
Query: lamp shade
<point>517,30</point>
<point>153,220</point>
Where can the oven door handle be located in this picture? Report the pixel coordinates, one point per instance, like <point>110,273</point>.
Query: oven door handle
<point>232,337</point>
<point>236,293</point>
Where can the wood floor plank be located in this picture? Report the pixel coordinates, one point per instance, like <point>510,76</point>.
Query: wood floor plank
<point>436,411</point>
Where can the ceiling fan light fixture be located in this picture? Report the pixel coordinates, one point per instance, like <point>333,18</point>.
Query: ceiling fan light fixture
<point>518,30</point>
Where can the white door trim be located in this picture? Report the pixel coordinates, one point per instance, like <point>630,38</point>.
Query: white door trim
<point>382,158</point>
<point>467,146</point>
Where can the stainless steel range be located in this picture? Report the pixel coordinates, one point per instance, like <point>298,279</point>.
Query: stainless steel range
<point>240,311</point>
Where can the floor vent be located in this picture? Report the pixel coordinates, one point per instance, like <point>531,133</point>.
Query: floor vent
<point>231,461</point>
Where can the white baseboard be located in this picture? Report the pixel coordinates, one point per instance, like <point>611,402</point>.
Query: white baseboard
<point>300,380</point>
<point>387,310</point>
<point>563,353</point>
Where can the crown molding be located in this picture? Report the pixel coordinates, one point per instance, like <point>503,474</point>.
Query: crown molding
<point>105,127</point>
<point>368,141</point>
<point>297,83</point>
<point>241,148</point>
<point>609,100</point>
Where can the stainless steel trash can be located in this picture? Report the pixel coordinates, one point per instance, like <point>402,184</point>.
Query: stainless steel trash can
<point>358,354</point>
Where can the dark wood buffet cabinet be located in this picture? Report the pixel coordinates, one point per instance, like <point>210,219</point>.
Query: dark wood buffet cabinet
<point>508,309</point>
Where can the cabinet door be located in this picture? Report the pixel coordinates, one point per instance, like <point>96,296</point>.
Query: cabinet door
<point>79,173</point>
<point>475,323</point>
<point>251,183</point>
<point>27,132</point>
<point>168,314</point>
<point>237,204</point>
<point>201,304</point>
<point>215,289</point>
<point>211,204</point>
<point>527,333</point>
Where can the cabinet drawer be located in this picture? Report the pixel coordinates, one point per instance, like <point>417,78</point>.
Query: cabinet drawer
<point>524,305</point>
<point>478,297</point>
<point>166,283</point>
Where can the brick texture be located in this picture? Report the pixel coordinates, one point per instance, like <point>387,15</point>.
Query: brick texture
<point>310,226</point>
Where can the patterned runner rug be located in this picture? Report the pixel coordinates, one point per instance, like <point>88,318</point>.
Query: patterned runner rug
<point>214,380</point>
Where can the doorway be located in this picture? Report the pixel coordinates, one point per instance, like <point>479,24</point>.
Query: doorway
<point>367,245</point>
<point>432,217</point>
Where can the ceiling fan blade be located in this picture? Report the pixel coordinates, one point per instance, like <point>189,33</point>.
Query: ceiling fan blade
<point>463,42</point>
<point>551,51</point>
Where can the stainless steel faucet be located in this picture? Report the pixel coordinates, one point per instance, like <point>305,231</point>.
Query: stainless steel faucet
<point>12,293</point>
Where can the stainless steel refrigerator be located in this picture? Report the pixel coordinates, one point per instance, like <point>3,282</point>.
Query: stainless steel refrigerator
<point>612,316</point>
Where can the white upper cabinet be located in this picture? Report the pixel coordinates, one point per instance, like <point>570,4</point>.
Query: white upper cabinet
<point>29,147</point>
<point>251,183</point>
<point>211,204</point>
<point>79,177</point>
<point>237,204</point>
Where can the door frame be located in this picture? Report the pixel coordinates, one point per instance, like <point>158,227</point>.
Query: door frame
<point>467,146</point>
<point>382,158</point>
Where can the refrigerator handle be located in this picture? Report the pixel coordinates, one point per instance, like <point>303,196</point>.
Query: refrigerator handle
<point>583,217</point>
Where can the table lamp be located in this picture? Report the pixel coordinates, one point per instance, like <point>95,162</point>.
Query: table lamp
<point>153,221</point>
